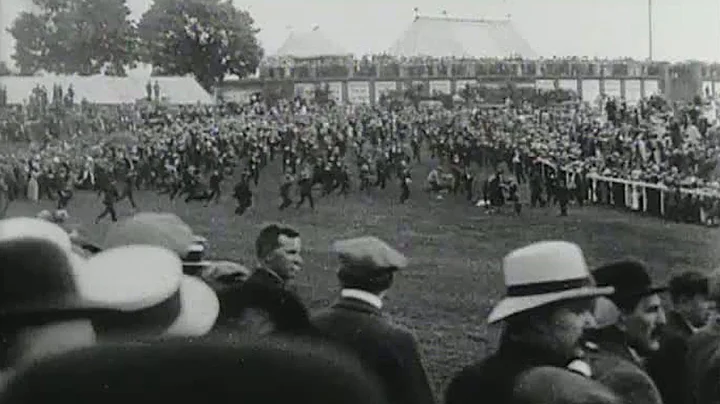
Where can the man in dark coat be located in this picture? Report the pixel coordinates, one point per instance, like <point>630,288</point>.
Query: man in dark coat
<point>702,367</point>
<point>691,309</point>
<point>356,321</point>
<point>618,351</point>
<point>547,308</point>
<point>265,302</point>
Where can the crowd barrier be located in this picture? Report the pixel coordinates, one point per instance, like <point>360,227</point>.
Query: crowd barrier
<point>689,205</point>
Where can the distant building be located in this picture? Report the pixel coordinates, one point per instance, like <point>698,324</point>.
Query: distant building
<point>461,38</point>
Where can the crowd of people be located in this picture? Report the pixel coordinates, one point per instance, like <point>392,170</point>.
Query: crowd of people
<point>483,152</point>
<point>84,319</point>
<point>142,313</point>
<point>387,66</point>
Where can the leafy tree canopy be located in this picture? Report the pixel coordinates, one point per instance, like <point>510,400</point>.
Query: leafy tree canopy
<point>75,37</point>
<point>207,38</point>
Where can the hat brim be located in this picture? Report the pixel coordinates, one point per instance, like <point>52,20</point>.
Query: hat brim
<point>199,309</point>
<point>517,304</point>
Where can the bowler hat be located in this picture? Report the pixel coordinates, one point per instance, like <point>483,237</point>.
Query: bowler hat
<point>544,273</point>
<point>629,277</point>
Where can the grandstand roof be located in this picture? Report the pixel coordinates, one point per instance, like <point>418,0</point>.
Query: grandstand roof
<point>109,90</point>
<point>308,45</point>
<point>453,37</point>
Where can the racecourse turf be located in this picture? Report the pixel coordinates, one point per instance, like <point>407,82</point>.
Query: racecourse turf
<point>455,250</point>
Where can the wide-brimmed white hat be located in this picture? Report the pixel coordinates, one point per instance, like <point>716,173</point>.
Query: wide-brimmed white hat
<point>42,273</point>
<point>544,273</point>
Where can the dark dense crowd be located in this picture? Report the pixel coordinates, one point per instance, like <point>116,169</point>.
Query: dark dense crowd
<point>483,152</point>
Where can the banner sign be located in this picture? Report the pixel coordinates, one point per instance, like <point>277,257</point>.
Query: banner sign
<point>461,84</point>
<point>633,91</point>
<point>383,87</point>
<point>545,85</point>
<point>305,90</point>
<point>568,85</point>
<point>652,87</point>
<point>440,86</point>
<point>590,90</point>
<point>613,88</point>
<point>358,92</point>
<point>335,88</point>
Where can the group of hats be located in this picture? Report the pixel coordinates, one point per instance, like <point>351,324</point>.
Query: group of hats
<point>132,286</point>
<point>552,271</point>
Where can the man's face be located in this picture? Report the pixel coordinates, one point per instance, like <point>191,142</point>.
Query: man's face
<point>566,325</point>
<point>643,325</point>
<point>286,260</point>
<point>697,310</point>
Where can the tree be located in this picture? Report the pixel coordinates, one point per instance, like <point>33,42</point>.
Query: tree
<point>4,69</point>
<point>83,37</point>
<point>207,38</point>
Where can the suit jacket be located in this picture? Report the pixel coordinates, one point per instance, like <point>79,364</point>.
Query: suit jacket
<point>664,365</point>
<point>504,377</point>
<point>262,305</point>
<point>386,350</point>
<point>614,366</point>
<point>703,366</point>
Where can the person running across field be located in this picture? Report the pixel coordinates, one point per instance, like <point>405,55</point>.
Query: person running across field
<point>243,194</point>
<point>405,181</point>
<point>285,188</point>
<point>110,196</point>
<point>305,185</point>
<point>214,183</point>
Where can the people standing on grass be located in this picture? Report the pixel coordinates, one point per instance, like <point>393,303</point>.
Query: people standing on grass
<point>546,310</point>
<point>368,268</point>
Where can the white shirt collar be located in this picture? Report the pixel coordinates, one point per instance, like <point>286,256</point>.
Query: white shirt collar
<point>362,295</point>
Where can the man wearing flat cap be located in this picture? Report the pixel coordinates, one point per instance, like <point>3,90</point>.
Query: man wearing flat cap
<point>618,351</point>
<point>367,270</point>
<point>547,308</point>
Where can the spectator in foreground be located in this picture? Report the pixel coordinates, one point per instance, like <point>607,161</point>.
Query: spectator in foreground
<point>547,308</point>
<point>702,364</point>
<point>265,303</point>
<point>617,352</point>
<point>691,310</point>
<point>368,267</point>
<point>49,296</point>
<point>268,372</point>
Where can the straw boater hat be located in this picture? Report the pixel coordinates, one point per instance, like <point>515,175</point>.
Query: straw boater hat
<point>544,273</point>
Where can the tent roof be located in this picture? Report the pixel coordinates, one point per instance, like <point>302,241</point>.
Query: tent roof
<point>452,37</point>
<point>307,45</point>
<point>108,90</point>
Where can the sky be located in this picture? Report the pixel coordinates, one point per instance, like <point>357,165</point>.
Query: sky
<point>682,29</point>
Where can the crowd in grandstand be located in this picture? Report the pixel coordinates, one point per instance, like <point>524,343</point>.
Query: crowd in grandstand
<point>390,66</point>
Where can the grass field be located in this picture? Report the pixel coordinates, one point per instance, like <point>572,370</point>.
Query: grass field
<point>455,251</point>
